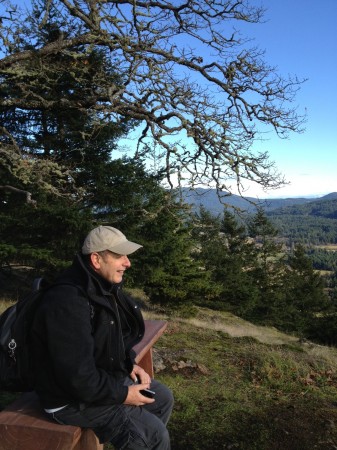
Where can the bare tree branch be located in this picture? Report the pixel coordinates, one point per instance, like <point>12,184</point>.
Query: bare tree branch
<point>198,88</point>
<point>28,195</point>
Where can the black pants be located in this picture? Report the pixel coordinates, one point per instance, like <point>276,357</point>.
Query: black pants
<point>126,427</point>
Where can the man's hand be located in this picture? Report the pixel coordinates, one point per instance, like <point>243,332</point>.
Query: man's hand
<point>135,398</point>
<point>142,380</point>
<point>138,375</point>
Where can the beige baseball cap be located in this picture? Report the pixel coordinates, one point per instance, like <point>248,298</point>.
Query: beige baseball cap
<point>108,238</point>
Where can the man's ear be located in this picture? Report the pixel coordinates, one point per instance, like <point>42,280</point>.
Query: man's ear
<point>95,260</point>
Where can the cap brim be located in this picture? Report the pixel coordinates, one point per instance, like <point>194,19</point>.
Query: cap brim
<point>125,248</point>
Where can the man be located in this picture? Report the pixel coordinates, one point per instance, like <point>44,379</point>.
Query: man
<point>83,334</point>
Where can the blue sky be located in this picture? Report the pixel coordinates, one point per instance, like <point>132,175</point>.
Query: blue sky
<point>300,38</point>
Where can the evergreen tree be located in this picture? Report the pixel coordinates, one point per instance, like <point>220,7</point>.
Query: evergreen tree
<point>239,288</point>
<point>223,250</point>
<point>167,268</point>
<point>266,268</point>
<point>306,301</point>
<point>77,141</point>
<point>46,237</point>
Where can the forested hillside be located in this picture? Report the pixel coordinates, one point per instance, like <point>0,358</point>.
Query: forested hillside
<point>311,223</point>
<point>305,220</point>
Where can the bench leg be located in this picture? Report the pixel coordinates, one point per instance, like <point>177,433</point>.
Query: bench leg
<point>88,441</point>
<point>146,363</point>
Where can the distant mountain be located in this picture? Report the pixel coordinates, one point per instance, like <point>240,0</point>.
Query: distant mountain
<point>208,198</point>
<point>331,196</point>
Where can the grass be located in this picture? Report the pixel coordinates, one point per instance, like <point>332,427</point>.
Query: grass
<point>239,393</point>
<point>238,386</point>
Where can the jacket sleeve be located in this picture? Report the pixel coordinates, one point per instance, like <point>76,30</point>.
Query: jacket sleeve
<point>65,314</point>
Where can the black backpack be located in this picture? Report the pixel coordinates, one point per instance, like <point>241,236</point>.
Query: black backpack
<point>16,366</point>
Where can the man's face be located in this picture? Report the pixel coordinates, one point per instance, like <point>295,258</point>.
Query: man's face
<point>110,266</point>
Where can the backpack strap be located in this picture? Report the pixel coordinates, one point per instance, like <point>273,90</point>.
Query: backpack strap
<point>39,283</point>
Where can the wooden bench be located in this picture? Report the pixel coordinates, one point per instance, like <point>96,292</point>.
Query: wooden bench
<point>24,425</point>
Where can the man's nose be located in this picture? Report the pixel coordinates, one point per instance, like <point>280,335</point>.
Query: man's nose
<point>126,261</point>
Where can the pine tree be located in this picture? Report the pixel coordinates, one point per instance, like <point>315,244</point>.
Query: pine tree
<point>266,270</point>
<point>55,138</point>
<point>223,250</point>
<point>239,288</point>
<point>167,267</point>
<point>306,303</point>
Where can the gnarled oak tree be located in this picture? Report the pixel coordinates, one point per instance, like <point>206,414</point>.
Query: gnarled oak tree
<point>195,86</point>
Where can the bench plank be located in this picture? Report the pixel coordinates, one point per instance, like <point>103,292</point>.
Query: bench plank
<point>153,330</point>
<point>24,426</point>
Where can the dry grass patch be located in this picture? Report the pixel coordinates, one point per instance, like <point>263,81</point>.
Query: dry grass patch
<point>237,327</point>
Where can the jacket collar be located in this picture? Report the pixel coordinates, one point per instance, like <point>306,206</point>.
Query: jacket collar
<point>105,287</point>
<point>80,274</point>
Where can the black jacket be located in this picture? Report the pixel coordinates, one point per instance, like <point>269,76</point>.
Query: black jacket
<point>83,334</point>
